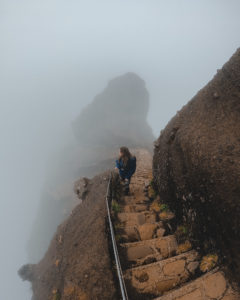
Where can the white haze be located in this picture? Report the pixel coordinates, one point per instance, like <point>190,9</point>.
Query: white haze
<point>56,55</point>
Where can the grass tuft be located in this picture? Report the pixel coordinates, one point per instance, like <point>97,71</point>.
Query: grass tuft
<point>116,207</point>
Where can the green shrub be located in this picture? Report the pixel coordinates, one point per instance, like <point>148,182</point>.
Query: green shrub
<point>164,207</point>
<point>116,207</point>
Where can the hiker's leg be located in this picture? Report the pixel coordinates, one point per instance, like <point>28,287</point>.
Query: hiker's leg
<point>126,186</point>
<point>122,175</point>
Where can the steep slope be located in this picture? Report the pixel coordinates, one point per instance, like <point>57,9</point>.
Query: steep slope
<point>77,264</point>
<point>196,165</point>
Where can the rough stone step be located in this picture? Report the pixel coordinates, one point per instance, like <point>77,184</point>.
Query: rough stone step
<point>138,185</point>
<point>140,198</point>
<point>162,276</point>
<point>213,285</point>
<point>142,176</point>
<point>136,218</point>
<point>153,250</point>
<point>137,188</point>
<point>134,208</point>
<point>138,179</point>
<point>141,183</point>
<point>143,232</point>
<point>166,216</point>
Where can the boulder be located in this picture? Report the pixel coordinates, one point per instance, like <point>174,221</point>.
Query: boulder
<point>81,187</point>
<point>196,164</point>
<point>27,272</point>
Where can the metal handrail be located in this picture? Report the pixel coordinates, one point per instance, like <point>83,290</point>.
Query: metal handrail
<point>115,250</point>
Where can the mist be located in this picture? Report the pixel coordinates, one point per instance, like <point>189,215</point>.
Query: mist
<point>55,56</point>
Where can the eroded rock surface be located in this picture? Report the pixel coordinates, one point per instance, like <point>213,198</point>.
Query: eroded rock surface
<point>196,164</point>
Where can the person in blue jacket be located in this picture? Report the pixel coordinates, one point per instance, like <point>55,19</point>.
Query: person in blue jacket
<point>126,164</point>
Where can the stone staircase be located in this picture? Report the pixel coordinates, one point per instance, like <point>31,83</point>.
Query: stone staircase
<point>155,265</point>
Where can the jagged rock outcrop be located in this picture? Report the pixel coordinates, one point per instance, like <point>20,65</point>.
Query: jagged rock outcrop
<point>116,117</point>
<point>197,164</point>
<point>81,187</point>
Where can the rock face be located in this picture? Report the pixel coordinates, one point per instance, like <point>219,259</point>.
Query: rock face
<point>197,164</point>
<point>117,116</point>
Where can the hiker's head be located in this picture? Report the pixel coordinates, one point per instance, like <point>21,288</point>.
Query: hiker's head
<point>124,154</point>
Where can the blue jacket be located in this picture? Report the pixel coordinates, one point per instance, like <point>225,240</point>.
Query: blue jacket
<point>128,171</point>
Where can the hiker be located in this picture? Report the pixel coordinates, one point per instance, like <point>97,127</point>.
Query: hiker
<point>126,164</point>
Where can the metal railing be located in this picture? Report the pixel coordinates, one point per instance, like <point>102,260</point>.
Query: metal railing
<point>114,244</point>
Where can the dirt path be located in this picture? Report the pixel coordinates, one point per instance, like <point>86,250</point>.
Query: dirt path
<point>159,265</point>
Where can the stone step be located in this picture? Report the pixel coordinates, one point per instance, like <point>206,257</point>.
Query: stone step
<point>140,198</point>
<point>134,208</point>
<point>143,232</point>
<point>213,285</point>
<point>143,252</point>
<point>136,218</point>
<point>130,234</point>
<point>139,183</point>
<point>162,276</point>
<point>138,178</point>
<point>166,216</point>
<point>144,176</point>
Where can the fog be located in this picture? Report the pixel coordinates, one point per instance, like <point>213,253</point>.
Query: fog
<point>55,56</point>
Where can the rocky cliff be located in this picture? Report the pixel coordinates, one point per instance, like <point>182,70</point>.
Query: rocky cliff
<point>117,116</point>
<point>197,165</point>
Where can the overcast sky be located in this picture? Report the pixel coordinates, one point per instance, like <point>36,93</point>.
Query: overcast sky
<point>56,55</point>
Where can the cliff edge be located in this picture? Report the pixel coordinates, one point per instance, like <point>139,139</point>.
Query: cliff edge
<point>77,264</point>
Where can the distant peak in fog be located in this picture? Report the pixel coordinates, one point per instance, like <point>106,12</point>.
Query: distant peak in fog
<point>129,79</point>
<point>118,115</point>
